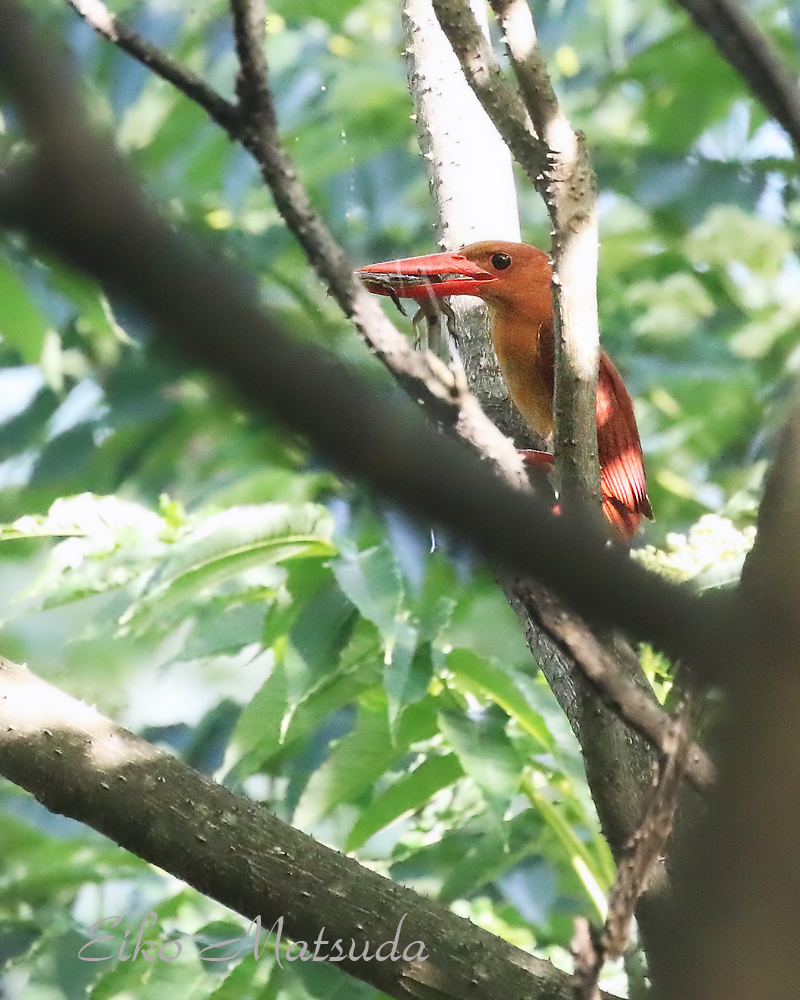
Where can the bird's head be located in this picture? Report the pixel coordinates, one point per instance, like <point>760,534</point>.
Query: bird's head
<point>501,273</point>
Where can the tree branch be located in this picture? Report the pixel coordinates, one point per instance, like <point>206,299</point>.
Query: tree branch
<point>740,43</point>
<point>80,764</point>
<point>736,893</point>
<point>634,703</point>
<point>99,17</point>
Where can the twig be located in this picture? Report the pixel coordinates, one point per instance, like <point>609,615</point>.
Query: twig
<point>99,17</point>
<point>252,82</point>
<point>75,197</point>
<point>588,960</point>
<point>740,42</point>
<point>648,844</point>
<point>261,127</point>
<point>590,947</point>
<point>635,705</point>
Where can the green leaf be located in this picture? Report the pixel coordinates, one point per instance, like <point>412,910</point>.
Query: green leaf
<point>487,756</point>
<point>372,581</point>
<point>502,687</point>
<point>320,633</point>
<point>237,539</point>
<point>361,757</point>
<point>23,325</point>
<point>95,319</point>
<point>409,793</point>
<point>257,734</point>
<point>593,872</point>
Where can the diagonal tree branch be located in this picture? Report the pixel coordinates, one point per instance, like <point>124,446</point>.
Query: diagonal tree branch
<point>255,124</point>
<point>634,703</point>
<point>99,17</point>
<point>80,764</point>
<point>741,43</point>
<point>732,929</point>
<point>75,197</point>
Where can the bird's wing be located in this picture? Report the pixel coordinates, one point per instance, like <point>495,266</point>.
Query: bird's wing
<point>622,477</point>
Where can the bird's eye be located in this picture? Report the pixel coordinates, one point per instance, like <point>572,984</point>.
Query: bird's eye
<point>500,261</point>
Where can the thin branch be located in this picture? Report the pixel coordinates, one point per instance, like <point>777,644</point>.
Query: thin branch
<point>459,144</point>
<point>643,857</point>
<point>99,17</point>
<point>648,844</point>
<point>252,82</point>
<point>80,764</point>
<point>587,959</point>
<point>740,42</point>
<point>736,892</point>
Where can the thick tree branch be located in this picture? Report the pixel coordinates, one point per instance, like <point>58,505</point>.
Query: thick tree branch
<point>740,42</point>
<point>619,767</point>
<point>733,930</point>
<point>79,764</point>
<point>457,140</point>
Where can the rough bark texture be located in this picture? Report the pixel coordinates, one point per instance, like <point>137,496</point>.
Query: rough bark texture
<point>79,764</point>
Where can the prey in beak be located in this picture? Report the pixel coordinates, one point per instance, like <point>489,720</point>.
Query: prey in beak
<point>428,280</point>
<point>423,278</point>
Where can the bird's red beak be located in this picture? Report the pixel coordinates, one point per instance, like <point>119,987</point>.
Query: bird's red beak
<point>420,278</point>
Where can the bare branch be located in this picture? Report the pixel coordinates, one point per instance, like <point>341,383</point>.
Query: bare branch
<point>642,860</point>
<point>569,193</point>
<point>587,956</point>
<point>564,178</point>
<point>736,891</point>
<point>254,125</point>
<point>252,84</point>
<point>99,17</point>
<point>80,764</point>
<point>740,42</point>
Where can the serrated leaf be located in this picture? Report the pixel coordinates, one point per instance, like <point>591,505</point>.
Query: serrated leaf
<point>319,634</point>
<point>492,853</point>
<point>409,793</point>
<point>257,733</point>
<point>361,757</point>
<point>224,627</point>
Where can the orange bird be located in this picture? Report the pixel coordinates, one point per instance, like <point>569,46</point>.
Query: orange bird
<point>513,279</point>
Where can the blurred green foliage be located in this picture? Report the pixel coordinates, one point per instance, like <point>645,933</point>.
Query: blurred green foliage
<point>204,578</point>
